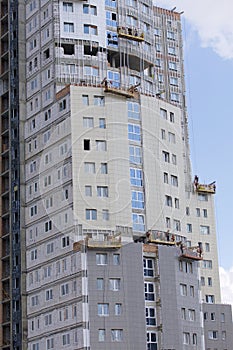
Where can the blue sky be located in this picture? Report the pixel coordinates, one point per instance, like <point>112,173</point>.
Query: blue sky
<point>208,55</point>
<point>209,83</point>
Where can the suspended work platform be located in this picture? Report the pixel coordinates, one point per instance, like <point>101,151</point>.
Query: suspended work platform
<point>210,188</point>
<point>130,93</point>
<point>111,242</point>
<point>130,33</point>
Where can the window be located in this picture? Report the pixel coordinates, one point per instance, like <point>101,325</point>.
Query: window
<point>191,291</point>
<point>151,341</point>
<point>163,113</point>
<point>213,334</point>
<point>177,203</point>
<point>118,309</point>
<point>191,315</point>
<point>224,335</point>
<point>68,7</point>
<point>68,27</point>
<point>35,300</point>
<point>138,222</point>
<point>66,339</point>
<point>212,316</point>
<point>102,123</point>
<point>65,242</point>
<point>163,134</point>
<point>172,117</point>
<point>134,132</point>
<point>111,18</point>
<point>116,259</point>
<point>186,338</point>
<point>171,137</point>
<point>209,299</point>
<point>150,316</point>
<point>149,291</point>
<point>137,200</point>
<point>183,313</point>
<point>89,168</point>
<point>34,254</point>
<point>183,289</point>
<point>174,159</point>
<point>101,259</point>
<point>90,9</point>
<point>171,50</point>
<point>168,222</point>
<point>114,284</point>
<point>85,100</point>
<point>165,178</point>
<point>174,81</point>
<point>170,35</point>
<point>104,168</point>
<point>204,230</point>
<point>102,191</point>
<point>133,110</point>
<point>99,100</point>
<point>168,201</point>
<point>64,289</point>
<point>50,248</point>
<point>174,180</point>
<point>86,145</point>
<point>103,309</point>
<point>48,294</point>
<point>35,346</point>
<point>101,334</point>
<point>47,135</point>
<point>222,317</point>
<point>101,145</point>
<point>202,197</point>
<point>135,154</point>
<point>91,214</point>
<point>172,65</point>
<point>189,228</point>
<point>198,212</point>
<point>48,319</point>
<point>148,267</point>
<point>207,264</point>
<point>100,283</point>
<point>116,334</point>
<point>205,214</point>
<point>113,77</point>
<point>48,226</point>
<point>136,177</point>
<point>88,191</point>
<point>47,180</point>
<point>166,156</point>
<point>50,343</point>
<point>105,214</point>
<point>88,122</point>
<point>33,210</point>
<point>207,247</point>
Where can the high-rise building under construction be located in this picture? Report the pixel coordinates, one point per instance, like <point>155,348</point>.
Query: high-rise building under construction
<point>107,239</point>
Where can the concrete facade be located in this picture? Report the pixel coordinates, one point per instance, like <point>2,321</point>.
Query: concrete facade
<point>94,144</point>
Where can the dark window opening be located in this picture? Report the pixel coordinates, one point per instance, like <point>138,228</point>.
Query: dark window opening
<point>90,50</point>
<point>68,49</point>
<point>86,145</point>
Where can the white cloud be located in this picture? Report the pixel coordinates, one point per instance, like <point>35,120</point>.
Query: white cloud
<point>226,282</point>
<point>211,19</point>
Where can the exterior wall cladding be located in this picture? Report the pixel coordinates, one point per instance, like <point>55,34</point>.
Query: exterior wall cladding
<point>106,241</point>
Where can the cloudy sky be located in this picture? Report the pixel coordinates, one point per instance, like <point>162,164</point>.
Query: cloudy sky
<point>208,48</point>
